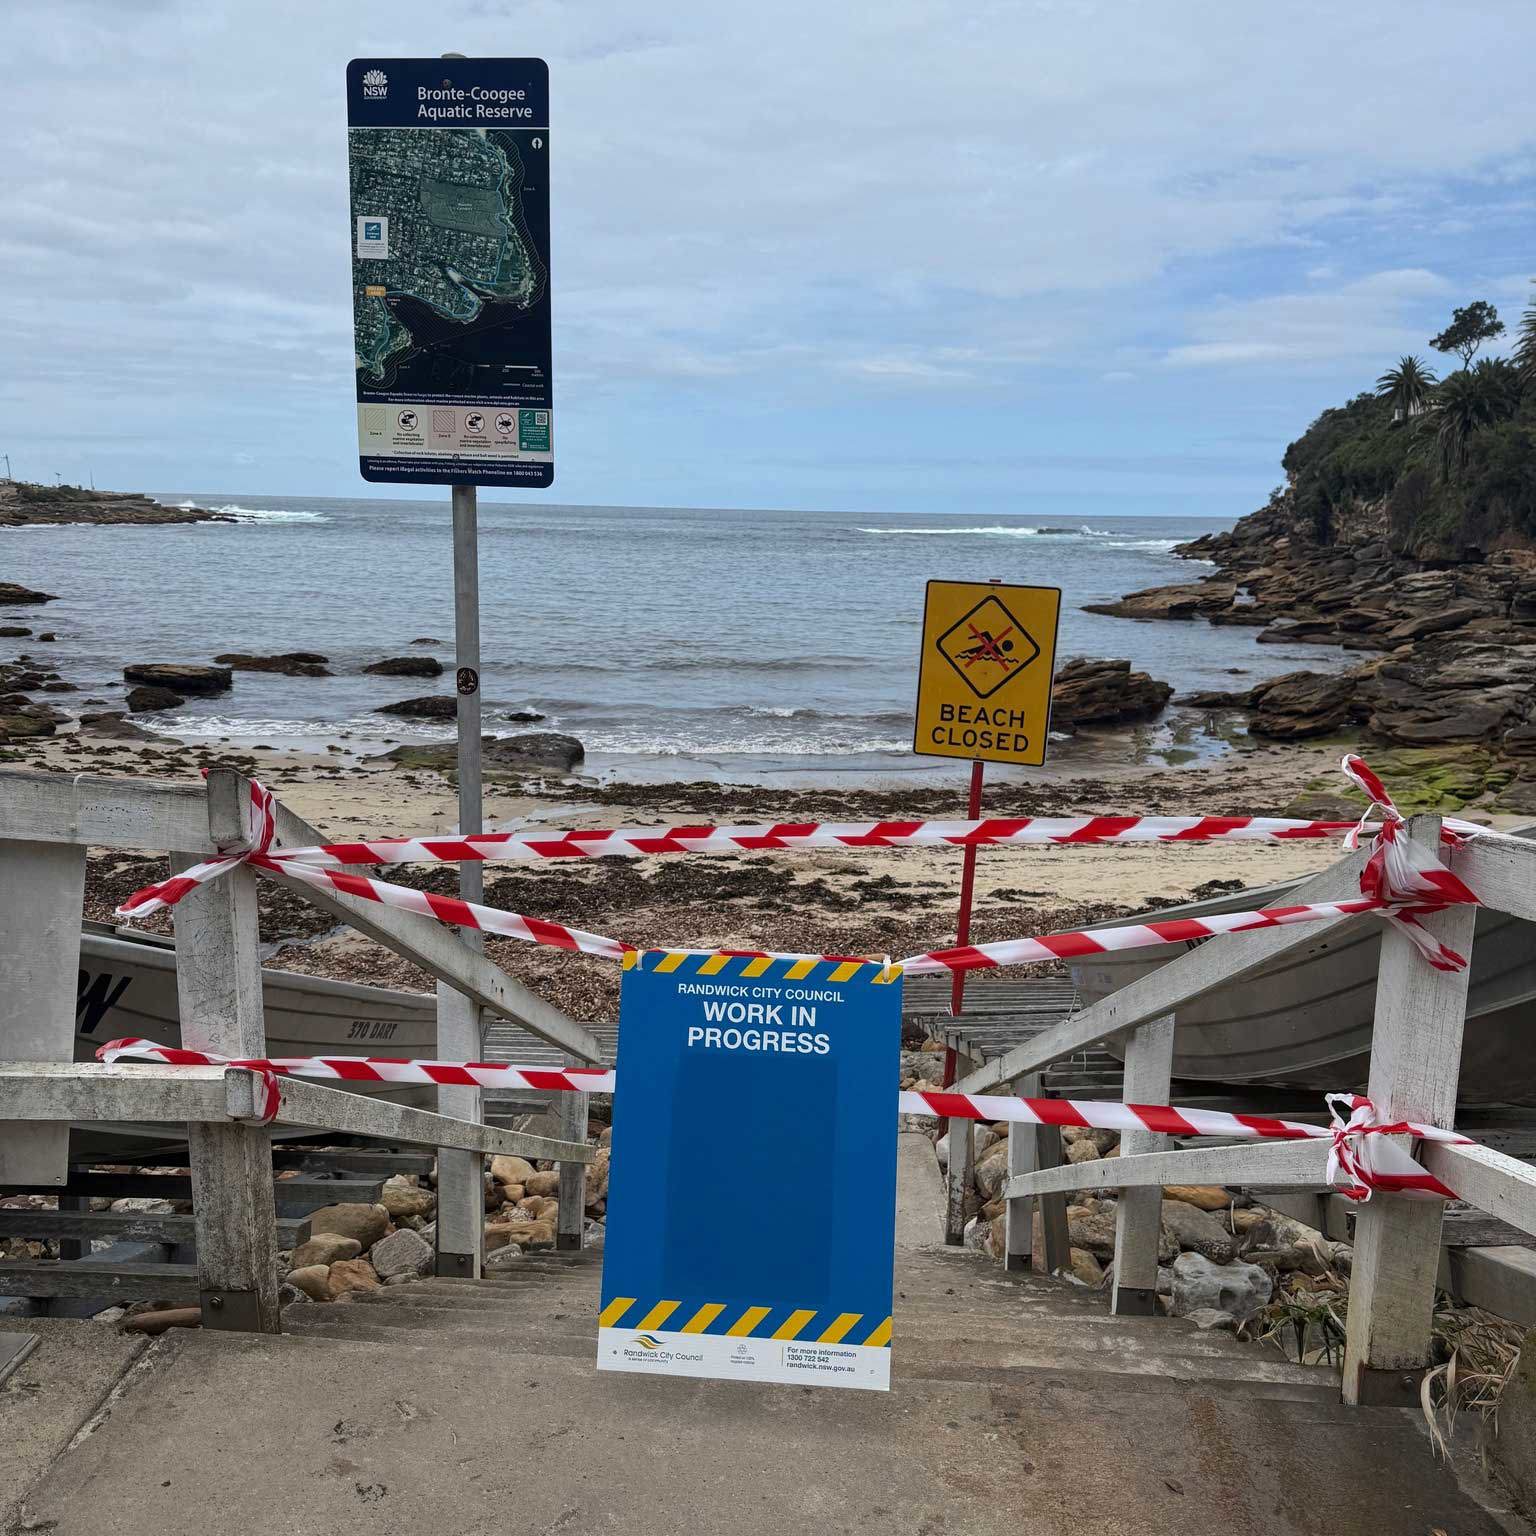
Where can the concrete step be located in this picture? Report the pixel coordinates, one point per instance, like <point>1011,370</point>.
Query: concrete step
<point>1217,1371</point>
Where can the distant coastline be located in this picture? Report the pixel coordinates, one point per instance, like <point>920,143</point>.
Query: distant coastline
<point>23,504</point>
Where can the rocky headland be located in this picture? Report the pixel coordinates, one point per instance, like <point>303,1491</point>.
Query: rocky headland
<point>22,502</point>
<point>1428,577</point>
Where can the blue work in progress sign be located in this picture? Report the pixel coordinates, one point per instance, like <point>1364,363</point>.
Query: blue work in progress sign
<point>741,1080</point>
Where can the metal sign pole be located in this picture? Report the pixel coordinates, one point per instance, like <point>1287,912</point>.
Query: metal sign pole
<point>967,886</point>
<point>466,636</point>
<point>466,645</point>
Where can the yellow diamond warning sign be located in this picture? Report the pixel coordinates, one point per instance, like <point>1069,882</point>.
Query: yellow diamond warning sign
<point>984,679</point>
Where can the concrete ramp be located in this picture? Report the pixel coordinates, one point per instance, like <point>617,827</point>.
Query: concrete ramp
<point>1019,1406</point>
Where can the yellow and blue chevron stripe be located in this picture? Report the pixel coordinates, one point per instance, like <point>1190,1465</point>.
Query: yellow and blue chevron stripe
<point>754,967</point>
<point>805,1325</point>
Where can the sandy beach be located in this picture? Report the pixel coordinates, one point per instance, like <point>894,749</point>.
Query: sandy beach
<point>877,901</point>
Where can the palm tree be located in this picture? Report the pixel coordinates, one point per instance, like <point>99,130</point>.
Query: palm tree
<point>1525,348</point>
<point>1407,387</point>
<point>1467,401</point>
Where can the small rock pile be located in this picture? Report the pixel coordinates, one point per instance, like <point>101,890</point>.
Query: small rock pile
<point>355,1247</point>
<point>1222,1258</point>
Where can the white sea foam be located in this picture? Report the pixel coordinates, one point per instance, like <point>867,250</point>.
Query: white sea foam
<point>256,514</point>
<point>1000,531</point>
<point>994,530</point>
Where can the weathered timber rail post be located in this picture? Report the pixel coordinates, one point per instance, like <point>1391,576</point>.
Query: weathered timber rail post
<point>42,886</point>
<point>1023,1157</point>
<point>959,1173</point>
<point>218,987</point>
<point>571,1126</point>
<point>1415,1065</point>
<point>1139,1213</point>
<point>460,1174</point>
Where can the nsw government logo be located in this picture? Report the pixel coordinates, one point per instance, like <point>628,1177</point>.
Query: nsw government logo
<point>375,85</point>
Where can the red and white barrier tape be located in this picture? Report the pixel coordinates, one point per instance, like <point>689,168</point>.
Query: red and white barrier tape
<point>1360,1160</point>
<point>1400,880</point>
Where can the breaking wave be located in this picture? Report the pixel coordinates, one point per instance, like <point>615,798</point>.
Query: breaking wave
<point>256,514</point>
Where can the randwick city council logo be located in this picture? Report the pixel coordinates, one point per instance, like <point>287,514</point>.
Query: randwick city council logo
<point>375,85</point>
<point>645,1341</point>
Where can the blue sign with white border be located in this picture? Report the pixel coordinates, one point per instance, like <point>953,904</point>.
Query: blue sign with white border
<point>740,1081</point>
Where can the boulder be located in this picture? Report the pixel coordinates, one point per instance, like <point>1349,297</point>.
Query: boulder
<point>401,1253</point>
<point>431,706</point>
<point>1087,1269</point>
<point>1302,704</point>
<point>14,592</point>
<point>14,631</point>
<point>20,727</point>
<point>1241,1289</point>
<point>323,1251</point>
<point>314,1280</point>
<point>523,716</point>
<point>366,1223</point>
<point>506,1257</point>
<point>1198,1231</point>
<point>511,1170</point>
<point>406,666</point>
<point>498,1234</point>
<point>533,750</point>
<point>401,1199</point>
<point>543,1183</point>
<point>531,1234</point>
<point>146,700</point>
<point>992,1171</point>
<point>1082,1152</point>
<point>352,1275</point>
<point>289,663</point>
<point>1090,691</point>
<point>114,725</point>
<point>161,1318</point>
<point>183,678</point>
<point>1208,1197</point>
<point>1093,1230</point>
<point>1288,1244</point>
<point>977,1235</point>
<point>1207,1318</point>
<point>1104,1140</point>
<point>596,1186</point>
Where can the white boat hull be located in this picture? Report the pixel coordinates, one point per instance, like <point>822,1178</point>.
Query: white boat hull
<point>127,986</point>
<point>1305,1022</point>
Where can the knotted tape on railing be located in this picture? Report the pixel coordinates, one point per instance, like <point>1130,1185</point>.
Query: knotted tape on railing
<point>1361,1157</point>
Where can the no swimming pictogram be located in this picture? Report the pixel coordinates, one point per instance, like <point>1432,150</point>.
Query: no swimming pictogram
<point>988,647</point>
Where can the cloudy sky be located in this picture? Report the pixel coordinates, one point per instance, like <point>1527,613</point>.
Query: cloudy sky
<point>1076,256</point>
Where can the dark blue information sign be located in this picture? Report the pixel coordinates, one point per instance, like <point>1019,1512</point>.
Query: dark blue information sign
<point>449,170</point>
<point>798,1059</point>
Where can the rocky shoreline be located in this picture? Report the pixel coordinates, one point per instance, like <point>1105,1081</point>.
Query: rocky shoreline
<point>23,503</point>
<point>1449,644</point>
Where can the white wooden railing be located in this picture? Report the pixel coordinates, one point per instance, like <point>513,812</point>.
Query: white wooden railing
<point>1415,1063</point>
<point>47,822</point>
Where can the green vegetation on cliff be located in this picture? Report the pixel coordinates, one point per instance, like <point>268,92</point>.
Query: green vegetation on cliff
<point>1451,463</point>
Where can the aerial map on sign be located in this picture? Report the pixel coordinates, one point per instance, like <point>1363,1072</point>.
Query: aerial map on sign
<point>457,237</point>
<point>450,279</point>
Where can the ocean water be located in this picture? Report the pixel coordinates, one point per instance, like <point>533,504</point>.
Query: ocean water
<point>674,643</point>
